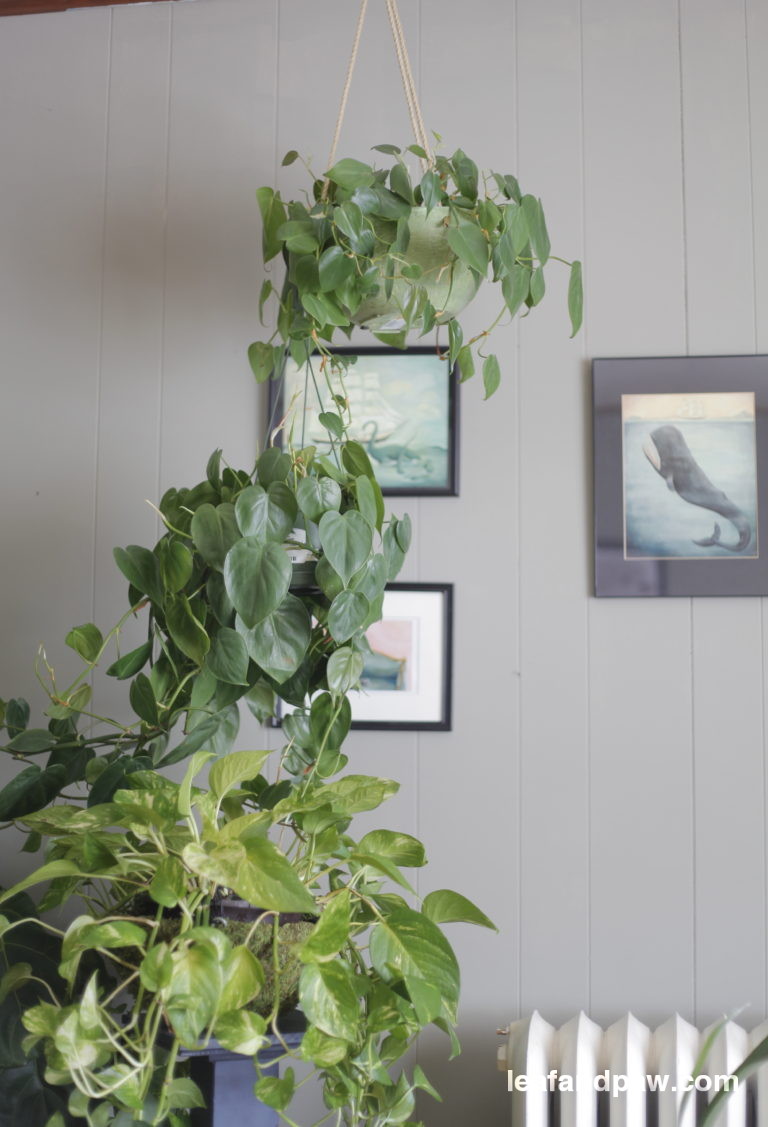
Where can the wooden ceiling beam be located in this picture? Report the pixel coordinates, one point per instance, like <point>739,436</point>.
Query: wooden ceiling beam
<point>32,7</point>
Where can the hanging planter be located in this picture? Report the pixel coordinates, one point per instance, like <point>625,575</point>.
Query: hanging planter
<point>372,248</point>
<point>378,251</point>
<point>449,284</point>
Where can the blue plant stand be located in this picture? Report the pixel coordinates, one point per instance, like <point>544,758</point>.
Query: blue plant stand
<point>226,1079</point>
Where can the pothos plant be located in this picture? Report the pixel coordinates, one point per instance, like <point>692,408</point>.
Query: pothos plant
<point>148,968</point>
<point>371,247</point>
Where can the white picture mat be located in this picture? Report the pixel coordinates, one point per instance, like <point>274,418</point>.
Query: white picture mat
<point>423,702</point>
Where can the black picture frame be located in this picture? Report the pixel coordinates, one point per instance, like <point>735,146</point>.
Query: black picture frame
<point>429,708</point>
<point>409,460</point>
<point>680,476</point>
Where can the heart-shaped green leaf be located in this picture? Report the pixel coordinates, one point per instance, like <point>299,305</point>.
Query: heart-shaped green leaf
<point>335,268</point>
<point>537,227</point>
<point>241,1031</point>
<point>130,663</point>
<point>350,173</point>
<point>515,287</point>
<point>235,768</point>
<point>344,669</point>
<point>575,297</point>
<point>30,790</point>
<point>318,495</point>
<point>257,577</point>
<point>328,722</point>
<point>328,998</point>
<point>228,659</point>
<point>279,642</point>
<point>469,244</point>
<point>214,531</point>
<point>85,640</point>
<point>348,612</point>
<point>347,541</point>
<point>516,227</point>
<point>331,932</point>
<point>491,375</point>
<point>445,906</point>
<point>175,564</point>
<point>142,570</point>
<point>273,465</point>
<point>266,513</point>
<point>142,698</point>
<point>186,630</point>
<point>243,979</point>
<point>398,847</point>
<point>407,943</point>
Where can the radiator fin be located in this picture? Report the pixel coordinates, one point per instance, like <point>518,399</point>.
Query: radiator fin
<point>625,1053</point>
<point>532,1051</point>
<point>577,1046</point>
<point>674,1049</point>
<point>728,1051</point>
<point>760,1080</point>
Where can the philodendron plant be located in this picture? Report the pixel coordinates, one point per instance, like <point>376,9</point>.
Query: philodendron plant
<point>370,247</point>
<point>148,967</point>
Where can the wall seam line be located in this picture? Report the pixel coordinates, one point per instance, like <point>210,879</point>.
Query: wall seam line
<point>587,613</point>
<point>750,136</point>
<point>751,183</point>
<point>164,287</point>
<point>683,209</point>
<point>518,554</point>
<point>100,338</point>
<point>417,773</point>
<point>691,611</point>
<point>694,824</point>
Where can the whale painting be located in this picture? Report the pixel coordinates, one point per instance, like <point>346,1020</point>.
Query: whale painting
<point>690,481</point>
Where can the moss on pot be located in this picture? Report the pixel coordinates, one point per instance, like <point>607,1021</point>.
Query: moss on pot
<point>288,964</point>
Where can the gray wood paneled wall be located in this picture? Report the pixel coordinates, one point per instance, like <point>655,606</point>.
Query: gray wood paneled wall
<point>603,792</point>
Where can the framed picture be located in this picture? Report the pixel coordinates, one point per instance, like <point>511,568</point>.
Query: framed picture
<point>681,475</point>
<point>406,680</point>
<point>404,409</point>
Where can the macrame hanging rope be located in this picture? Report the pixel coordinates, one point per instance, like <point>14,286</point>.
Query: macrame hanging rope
<point>345,91</point>
<point>411,97</point>
<point>409,86</point>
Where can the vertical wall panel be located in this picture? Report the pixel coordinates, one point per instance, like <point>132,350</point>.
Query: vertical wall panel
<point>716,151</point>
<point>220,149</point>
<point>756,47</point>
<point>554,838</point>
<point>52,140</point>
<point>468,779</point>
<point>640,700</point>
<point>132,315</point>
<point>727,633</point>
<point>757,91</point>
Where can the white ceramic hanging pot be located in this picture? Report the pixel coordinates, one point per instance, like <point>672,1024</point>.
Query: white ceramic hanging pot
<point>450,284</point>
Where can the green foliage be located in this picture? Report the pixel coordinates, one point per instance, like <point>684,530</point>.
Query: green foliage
<point>151,859</point>
<point>349,244</point>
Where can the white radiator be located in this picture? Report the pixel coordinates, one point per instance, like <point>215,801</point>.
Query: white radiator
<point>628,1075</point>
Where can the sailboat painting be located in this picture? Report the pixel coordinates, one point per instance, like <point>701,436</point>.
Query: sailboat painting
<point>401,406</point>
